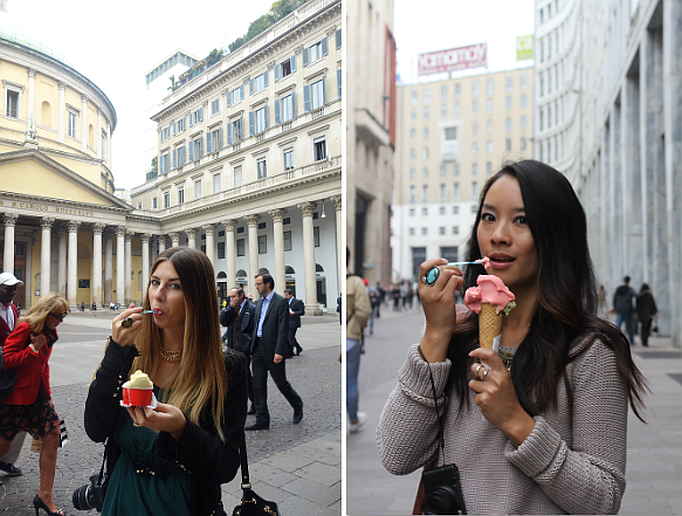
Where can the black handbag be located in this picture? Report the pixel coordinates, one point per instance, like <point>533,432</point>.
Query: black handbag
<point>252,504</point>
<point>8,378</point>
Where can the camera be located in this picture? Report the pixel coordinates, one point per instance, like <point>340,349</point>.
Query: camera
<point>443,491</point>
<point>90,496</point>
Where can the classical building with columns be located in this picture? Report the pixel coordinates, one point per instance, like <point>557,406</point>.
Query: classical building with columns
<point>265,195</point>
<point>608,84</point>
<point>249,160</point>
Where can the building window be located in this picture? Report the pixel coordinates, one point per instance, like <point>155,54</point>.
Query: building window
<point>489,146</point>
<point>426,133</point>
<point>165,133</point>
<point>139,205</point>
<point>413,153</point>
<point>179,125</point>
<point>181,195</point>
<point>455,210</point>
<point>441,210</point>
<point>425,231</point>
<point>179,156</point>
<point>241,248</point>
<point>474,148</point>
<point>164,163</point>
<point>285,68</point>
<point>451,133</point>
<point>443,110</point>
<point>196,149</point>
<point>216,182</point>
<point>196,117</point>
<point>238,176</point>
<point>221,250</point>
<point>258,83</point>
<point>508,124</point>
<point>215,106</point>
<point>425,173</point>
<point>491,86</point>
<point>523,143</point>
<point>443,172</point>
<point>315,52</point>
<point>166,199</point>
<point>235,95</point>
<point>413,174</point>
<point>289,158</point>
<point>488,126</point>
<point>441,230</point>
<point>285,108</point>
<point>458,108</point>
<point>411,212</point>
<point>155,203</point>
<point>443,193</point>
<point>455,230</point>
<point>73,124</point>
<point>488,168</point>
<point>425,211</point>
<point>13,103</point>
<point>524,100</point>
<point>258,120</point>
<point>197,189</point>
<point>234,131</point>
<point>425,194</point>
<point>508,102</point>
<point>477,88</point>
<point>426,112</point>
<point>425,153</point>
<point>507,144</point>
<point>474,106</point>
<point>474,190</point>
<point>411,231</point>
<point>214,140</point>
<point>261,168</point>
<point>413,194</point>
<point>320,148</point>
<point>458,90</point>
<point>474,127</point>
<point>474,169</point>
<point>262,244</point>
<point>316,236</point>
<point>524,122</point>
<point>489,105</point>
<point>510,83</point>
<point>287,241</point>
<point>456,196</point>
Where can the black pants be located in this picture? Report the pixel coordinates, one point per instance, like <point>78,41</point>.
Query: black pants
<point>261,365</point>
<point>295,346</point>
<point>646,328</point>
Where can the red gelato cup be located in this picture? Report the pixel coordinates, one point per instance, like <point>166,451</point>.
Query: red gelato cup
<point>137,397</point>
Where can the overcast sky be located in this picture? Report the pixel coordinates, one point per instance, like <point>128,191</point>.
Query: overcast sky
<point>444,24</point>
<point>114,43</point>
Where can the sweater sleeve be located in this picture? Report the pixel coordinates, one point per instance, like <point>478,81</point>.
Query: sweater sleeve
<point>407,434</point>
<point>102,406</point>
<point>587,477</point>
<point>199,449</point>
<point>15,350</point>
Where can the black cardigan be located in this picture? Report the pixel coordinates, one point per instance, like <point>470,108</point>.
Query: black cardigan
<point>209,461</point>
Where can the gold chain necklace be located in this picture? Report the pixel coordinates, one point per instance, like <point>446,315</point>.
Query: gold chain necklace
<point>170,356</point>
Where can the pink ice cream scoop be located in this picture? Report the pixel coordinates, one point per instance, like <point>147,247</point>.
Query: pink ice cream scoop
<point>490,290</point>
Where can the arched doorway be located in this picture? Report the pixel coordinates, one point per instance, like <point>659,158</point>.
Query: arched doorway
<point>242,280</point>
<point>321,284</point>
<point>222,287</point>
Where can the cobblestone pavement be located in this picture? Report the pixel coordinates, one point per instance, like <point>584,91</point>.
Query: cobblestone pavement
<point>654,467</point>
<point>297,466</point>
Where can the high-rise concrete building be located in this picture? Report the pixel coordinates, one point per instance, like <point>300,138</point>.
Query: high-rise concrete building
<point>608,83</point>
<point>452,135</point>
<point>370,140</point>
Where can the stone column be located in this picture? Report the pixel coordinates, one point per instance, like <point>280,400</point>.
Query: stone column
<point>162,243</point>
<point>341,253</point>
<point>310,278</point>
<point>145,237</point>
<point>97,263</point>
<point>210,247</point>
<point>61,260</point>
<point>175,239</point>
<point>108,266</point>
<point>252,221</point>
<point>10,222</point>
<point>46,237</point>
<point>61,123</point>
<point>84,123</point>
<point>72,264</point>
<point>120,265</point>
<point>230,264</point>
<point>191,238</point>
<point>278,237</point>
<point>128,268</point>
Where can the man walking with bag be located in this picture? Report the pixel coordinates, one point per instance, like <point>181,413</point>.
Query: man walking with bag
<point>296,310</point>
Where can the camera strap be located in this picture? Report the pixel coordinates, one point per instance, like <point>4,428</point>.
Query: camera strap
<point>100,478</point>
<point>441,437</point>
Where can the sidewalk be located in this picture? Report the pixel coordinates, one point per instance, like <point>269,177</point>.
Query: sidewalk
<point>654,467</point>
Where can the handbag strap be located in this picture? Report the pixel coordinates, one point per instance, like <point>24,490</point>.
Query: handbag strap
<point>441,437</point>
<point>246,482</point>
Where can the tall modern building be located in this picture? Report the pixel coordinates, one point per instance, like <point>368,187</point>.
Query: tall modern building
<point>608,83</point>
<point>249,160</point>
<point>452,135</point>
<point>370,136</point>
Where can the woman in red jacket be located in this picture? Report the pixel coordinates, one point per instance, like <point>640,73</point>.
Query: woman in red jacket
<point>29,406</point>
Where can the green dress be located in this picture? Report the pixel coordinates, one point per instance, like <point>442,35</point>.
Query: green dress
<point>141,494</point>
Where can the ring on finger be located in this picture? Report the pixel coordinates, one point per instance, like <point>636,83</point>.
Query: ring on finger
<point>127,323</point>
<point>478,368</point>
<point>430,277</point>
<point>485,373</point>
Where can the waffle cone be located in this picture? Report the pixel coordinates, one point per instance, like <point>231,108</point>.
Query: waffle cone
<point>489,325</point>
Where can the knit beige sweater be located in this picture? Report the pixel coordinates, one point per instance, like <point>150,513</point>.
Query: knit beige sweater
<point>565,466</point>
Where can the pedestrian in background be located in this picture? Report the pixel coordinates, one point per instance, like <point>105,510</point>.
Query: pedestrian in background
<point>239,317</point>
<point>171,459</point>
<point>29,407</point>
<point>9,316</point>
<point>622,305</point>
<point>358,310</point>
<point>646,311</point>
<point>528,431</point>
<point>296,310</point>
<point>269,351</point>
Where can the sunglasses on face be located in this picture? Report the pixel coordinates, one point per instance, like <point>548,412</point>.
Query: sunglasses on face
<point>59,317</point>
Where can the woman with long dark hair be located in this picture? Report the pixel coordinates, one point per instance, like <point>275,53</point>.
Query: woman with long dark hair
<point>170,460</point>
<point>646,312</point>
<point>29,407</point>
<point>552,434</point>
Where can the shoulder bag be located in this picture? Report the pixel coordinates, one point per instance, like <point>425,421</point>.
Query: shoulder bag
<point>252,504</point>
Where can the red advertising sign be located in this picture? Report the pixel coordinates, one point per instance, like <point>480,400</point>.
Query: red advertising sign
<point>460,58</point>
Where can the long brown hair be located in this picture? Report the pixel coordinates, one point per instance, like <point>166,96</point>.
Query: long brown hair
<point>565,322</point>
<point>201,381</point>
<point>46,305</point>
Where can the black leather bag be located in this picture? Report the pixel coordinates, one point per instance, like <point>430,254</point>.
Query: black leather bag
<point>252,504</point>
<point>8,378</point>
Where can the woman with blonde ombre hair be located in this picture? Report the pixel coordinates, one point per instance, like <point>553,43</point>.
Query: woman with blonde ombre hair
<point>178,453</point>
<point>29,407</point>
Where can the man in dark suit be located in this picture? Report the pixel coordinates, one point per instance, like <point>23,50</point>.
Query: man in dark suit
<point>9,314</point>
<point>269,348</point>
<point>239,317</point>
<point>296,310</point>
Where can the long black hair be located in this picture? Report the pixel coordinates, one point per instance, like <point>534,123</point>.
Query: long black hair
<point>565,322</point>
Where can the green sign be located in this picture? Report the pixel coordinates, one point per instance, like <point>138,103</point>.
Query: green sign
<point>524,48</point>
